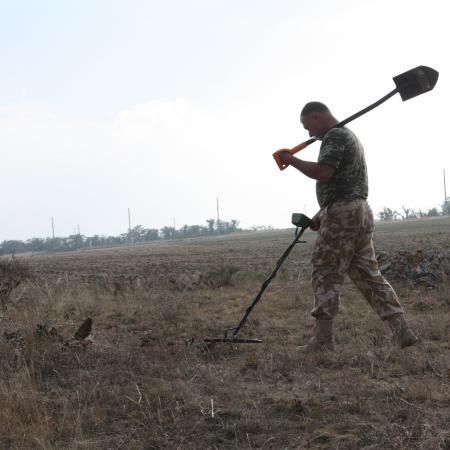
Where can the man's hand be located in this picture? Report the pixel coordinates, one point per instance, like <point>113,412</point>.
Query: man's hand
<point>285,157</point>
<point>315,222</point>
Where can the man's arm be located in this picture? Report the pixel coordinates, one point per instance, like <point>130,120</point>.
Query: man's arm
<point>316,171</point>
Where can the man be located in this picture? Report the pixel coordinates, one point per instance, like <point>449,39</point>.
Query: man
<point>345,227</point>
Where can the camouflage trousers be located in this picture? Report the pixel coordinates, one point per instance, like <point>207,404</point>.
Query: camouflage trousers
<point>344,246</point>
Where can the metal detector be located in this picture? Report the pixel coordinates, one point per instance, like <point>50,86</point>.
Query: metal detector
<point>408,84</point>
<point>301,222</point>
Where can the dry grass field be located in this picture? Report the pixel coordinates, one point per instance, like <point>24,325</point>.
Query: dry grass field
<point>144,379</point>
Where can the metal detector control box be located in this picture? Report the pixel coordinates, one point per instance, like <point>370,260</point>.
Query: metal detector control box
<point>300,220</point>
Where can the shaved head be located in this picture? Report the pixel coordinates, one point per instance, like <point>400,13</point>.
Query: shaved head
<point>317,118</point>
<point>314,107</point>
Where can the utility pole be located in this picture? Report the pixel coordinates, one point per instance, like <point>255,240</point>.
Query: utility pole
<point>53,229</point>
<point>218,217</point>
<point>129,225</point>
<point>445,190</point>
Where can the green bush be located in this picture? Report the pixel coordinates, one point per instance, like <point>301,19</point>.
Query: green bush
<point>218,276</point>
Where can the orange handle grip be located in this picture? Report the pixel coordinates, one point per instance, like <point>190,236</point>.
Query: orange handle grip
<point>276,157</point>
<point>292,151</point>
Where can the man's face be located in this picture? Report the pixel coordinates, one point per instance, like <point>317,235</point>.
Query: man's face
<point>313,124</point>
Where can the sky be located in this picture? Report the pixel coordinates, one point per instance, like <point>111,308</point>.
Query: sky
<point>164,107</point>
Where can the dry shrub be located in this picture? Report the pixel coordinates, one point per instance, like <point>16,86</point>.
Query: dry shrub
<point>185,281</point>
<point>12,273</point>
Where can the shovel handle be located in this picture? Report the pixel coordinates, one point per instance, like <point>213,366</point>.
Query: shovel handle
<point>276,157</point>
<point>292,151</point>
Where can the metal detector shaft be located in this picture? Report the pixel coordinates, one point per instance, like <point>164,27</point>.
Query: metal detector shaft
<point>269,279</point>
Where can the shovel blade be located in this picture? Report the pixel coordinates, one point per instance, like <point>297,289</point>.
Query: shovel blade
<point>416,81</point>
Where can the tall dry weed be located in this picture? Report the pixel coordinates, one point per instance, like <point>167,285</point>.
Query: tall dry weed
<point>12,273</point>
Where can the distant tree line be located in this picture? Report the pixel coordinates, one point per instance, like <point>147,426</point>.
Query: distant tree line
<point>409,213</point>
<point>134,235</point>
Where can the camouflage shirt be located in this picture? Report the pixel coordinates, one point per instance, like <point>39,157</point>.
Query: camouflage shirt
<point>341,149</point>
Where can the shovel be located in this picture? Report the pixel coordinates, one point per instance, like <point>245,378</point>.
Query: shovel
<point>408,84</point>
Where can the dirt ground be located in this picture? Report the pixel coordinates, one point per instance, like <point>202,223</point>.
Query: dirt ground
<point>145,379</point>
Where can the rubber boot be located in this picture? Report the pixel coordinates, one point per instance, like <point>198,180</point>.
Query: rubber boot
<point>322,339</point>
<point>402,333</point>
